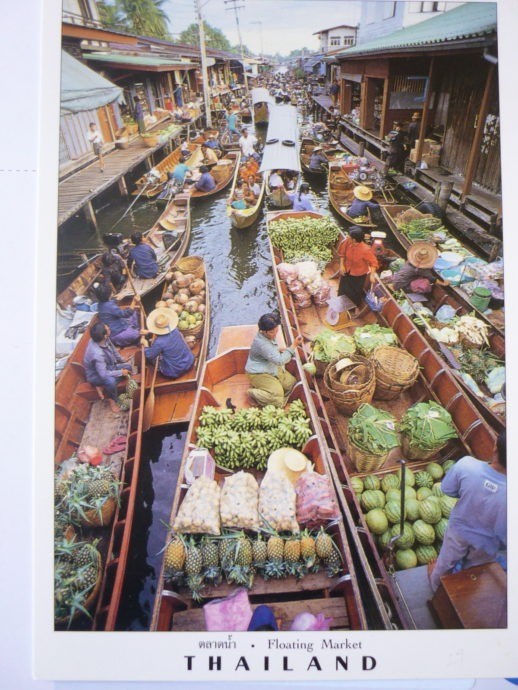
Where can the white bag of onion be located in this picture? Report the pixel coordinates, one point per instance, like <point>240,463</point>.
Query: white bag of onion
<point>199,511</point>
<point>239,501</point>
<point>277,500</point>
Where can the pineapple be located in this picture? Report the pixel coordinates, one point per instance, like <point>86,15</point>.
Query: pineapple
<point>82,556</point>
<point>226,552</point>
<point>323,544</point>
<point>98,488</point>
<point>131,386</point>
<point>241,572</point>
<point>244,554</point>
<point>292,557</point>
<point>274,566</point>
<point>195,584</point>
<point>333,563</point>
<point>307,549</point>
<point>210,560</point>
<point>193,560</point>
<point>260,552</point>
<point>174,558</point>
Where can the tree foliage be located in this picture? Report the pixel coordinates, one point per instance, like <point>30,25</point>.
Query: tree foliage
<point>143,17</point>
<point>214,38</point>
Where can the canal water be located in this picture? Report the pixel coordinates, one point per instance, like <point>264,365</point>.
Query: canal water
<point>241,283</point>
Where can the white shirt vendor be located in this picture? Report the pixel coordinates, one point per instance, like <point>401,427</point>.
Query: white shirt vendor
<point>247,144</point>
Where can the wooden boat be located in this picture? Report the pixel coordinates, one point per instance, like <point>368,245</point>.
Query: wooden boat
<point>261,101</point>
<point>244,218</point>
<point>306,149</point>
<point>391,213</point>
<point>177,408</point>
<point>281,151</point>
<point>169,237</point>
<point>81,419</point>
<point>166,165</point>
<point>175,610</point>
<point>340,191</point>
<point>228,141</point>
<point>435,382</point>
<point>222,173</point>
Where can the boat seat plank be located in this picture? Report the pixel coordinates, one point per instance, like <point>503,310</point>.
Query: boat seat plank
<point>169,411</point>
<point>193,620</point>
<point>312,582</point>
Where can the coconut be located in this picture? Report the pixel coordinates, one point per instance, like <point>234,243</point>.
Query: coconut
<point>160,304</point>
<point>185,291</point>
<point>181,298</point>
<point>177,274</point>
<point>201,308</point>
<point>197,286</point>
<point>183,282</point>
<point>168,295</point>
<point>169,276</point>
<point>178,308</point>
<point>191,306</point>
<point>196,298</point>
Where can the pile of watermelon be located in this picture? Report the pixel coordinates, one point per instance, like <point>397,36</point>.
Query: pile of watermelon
<point>427,510</point>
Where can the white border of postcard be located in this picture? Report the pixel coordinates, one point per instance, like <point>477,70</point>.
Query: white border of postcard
<point>134,656</point>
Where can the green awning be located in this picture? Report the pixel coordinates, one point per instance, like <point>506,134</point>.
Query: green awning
<point>82,88</point>
<point>153,62</point>
<point>465,23</point>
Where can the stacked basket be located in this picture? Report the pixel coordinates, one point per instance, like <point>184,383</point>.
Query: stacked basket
<point>395,369</point>
<point>191,264</point>
<point>350,381</point>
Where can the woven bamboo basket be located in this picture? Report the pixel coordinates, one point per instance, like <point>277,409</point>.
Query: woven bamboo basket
<point>357,386</point>
<point>102,518</point>
<point>90,599</point>
<point>191,264</point>
<point>195,330</point>
<point>365,462</point>
<point>395,369</point>
<point>151,140</point>
<point>412,453</point>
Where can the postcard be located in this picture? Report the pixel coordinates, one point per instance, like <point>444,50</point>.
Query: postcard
<point>280,391</point>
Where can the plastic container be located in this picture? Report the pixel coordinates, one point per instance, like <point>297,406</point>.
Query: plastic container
<point>480,298</point>
<point>199,463</point>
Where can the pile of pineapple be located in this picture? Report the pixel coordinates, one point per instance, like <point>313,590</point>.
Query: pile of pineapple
<point>236,557</point>
<point>81,495</point>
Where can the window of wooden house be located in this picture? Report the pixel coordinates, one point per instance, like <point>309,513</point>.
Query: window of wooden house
<point>334,40</point>
<point>418,7</point>
<point>407,92</point>
<point>349,41</point>
<point>389,10</point>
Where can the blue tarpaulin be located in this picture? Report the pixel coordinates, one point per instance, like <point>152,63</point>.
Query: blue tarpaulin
<point>82,88</point>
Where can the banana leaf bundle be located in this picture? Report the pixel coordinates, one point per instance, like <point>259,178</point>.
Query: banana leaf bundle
<point>427,426</point>
<point>329,344</point>
<point>369,337</point>
<point>373,431</point>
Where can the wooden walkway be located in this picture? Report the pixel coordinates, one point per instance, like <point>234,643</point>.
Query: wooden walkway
<point>79,189</point>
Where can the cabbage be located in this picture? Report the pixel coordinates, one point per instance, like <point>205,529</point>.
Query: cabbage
<point>329,344</point>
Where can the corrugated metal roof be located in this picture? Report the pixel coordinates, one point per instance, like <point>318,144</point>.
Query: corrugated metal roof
<point>142,60</point>
<point>465,22</point>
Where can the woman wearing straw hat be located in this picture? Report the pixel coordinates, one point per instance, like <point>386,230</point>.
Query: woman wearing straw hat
<point>362,201</point>
<point>317,161</point>
<point>357,261</point>
<point>175,356</point>
<point>270,382</point>
<point>421,256</point>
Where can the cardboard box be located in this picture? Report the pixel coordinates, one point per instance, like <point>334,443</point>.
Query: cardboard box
<point>431,159</point>
<point>413,155</point>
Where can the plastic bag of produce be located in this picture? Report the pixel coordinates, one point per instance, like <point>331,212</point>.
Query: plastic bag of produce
<point>199,511</point>
<point>296,287</point>
<point>233,613</point>
<point>239,501</point>
<point>287,272</point>
<point>315,500</point>
<point>307,271</point>
<point>322,294</point>
<point>302,299</point>
<point>277,502</point>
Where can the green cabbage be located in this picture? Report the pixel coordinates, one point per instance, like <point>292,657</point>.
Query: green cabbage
<point>329,344</point>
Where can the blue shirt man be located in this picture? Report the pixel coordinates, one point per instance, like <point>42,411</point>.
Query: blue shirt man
<point>114,317</point>
<point>206,183</point>
<point>231,123</point>
<point>359,208</point>
<point>179,172</point>
<point>176,357</point>
<point>144,258</point>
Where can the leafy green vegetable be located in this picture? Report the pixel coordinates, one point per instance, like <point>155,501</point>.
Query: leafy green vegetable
<point>369,337</point>
<point>478,363</point>
<point>328,345</point>
<point>372,430</point>
<point>428,425</point>
<point>305,238</point>
<point>421,228</point>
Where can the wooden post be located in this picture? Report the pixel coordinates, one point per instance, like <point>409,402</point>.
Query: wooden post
<point>384,108</point>
<point>90,214</point>
<point>474,153</point>
<point>123,188</point>
<point>363,103</point>
<point>109,123</point>
<point>424,119</point>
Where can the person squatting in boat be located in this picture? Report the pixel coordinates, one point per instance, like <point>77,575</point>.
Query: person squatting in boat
<point>176,357</point>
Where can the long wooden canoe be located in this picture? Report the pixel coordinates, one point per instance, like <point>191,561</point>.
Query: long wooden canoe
<point>166,165</point>
<point>244,218</point>
<point>307,146</point>
<point>435,382</point>
<point>391,213</point>
<point>339,596</point>
<point>222,173</point>
<point>169,237</point>
<point>228,141</point>
<point>340,190</point>
<point>81,419</point>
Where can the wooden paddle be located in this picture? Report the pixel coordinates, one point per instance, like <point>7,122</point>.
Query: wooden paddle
<point>149,405</point>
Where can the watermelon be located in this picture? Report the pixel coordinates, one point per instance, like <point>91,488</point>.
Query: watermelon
<point>390,481</point>
<point>425,554</point>
<point>447,504</point>
<point>410,492</point>
<point>424,533</point>
<point>371,482</point>
<point>357,485</point>
<point>393,495</point>
<point>377,521</point>
<point>393,511</point>
<point>371,499</point>
<point>423,478</point>
<point>435,470</point>
<point>407,539</point>
<point>406,558</point>
<point>430,510</point>
<point>423,492</point>
<point>436,490</point>
<point>384,539</point>
<point>409,476</point>
<point>440,528</point>
<point>412,509</point>
<point>447,465</point>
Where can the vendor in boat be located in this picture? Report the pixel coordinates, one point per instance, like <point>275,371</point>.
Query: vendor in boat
<point>142,257</point>
<point>270,383</point>
<point>181,172</point>
<point>317,161</point>
<point>238,199</point>
<point>357,261</point>
<point>206,182</point>
<point>362,201</point>
<point>421,257</point>
<point>231,119</point>
<point>275,181</point>
<point>123,323</point>
<point>212,142</point>
<point>247,143</point>
<point>301,200</point>
<point>210,156</point>
<point>477,527</point>
<point>112,267</point>
<point>254,187</point>
<point>103,364</point>
<point>176,357</point>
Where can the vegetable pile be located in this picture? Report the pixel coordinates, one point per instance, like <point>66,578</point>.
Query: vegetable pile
<point>246,438</point>
<point>427,426</point>
<point>329,344</point>
<point>421,228</point>
<point>307,238</point>
<point>373,431</point>
<point>316,501</point>
<point>185,295</point>
<point>367,338</point>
